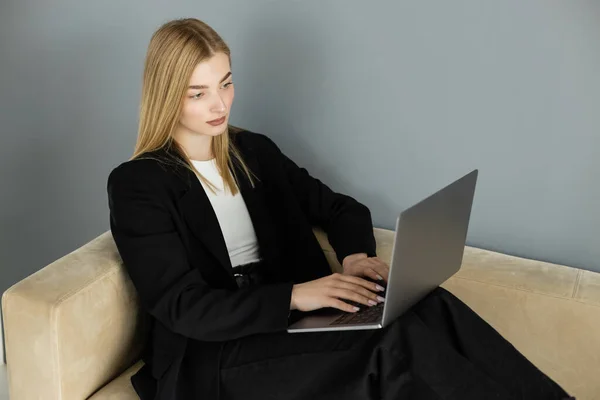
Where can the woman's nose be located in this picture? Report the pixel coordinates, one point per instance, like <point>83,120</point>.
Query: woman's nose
<point>219,105</point>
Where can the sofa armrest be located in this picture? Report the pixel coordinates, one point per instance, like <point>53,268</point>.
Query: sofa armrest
<point>72,326</point>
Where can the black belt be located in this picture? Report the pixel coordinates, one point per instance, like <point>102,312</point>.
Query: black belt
<point>248,274</point>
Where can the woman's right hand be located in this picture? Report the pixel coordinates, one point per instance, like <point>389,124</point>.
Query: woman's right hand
<point>330,291</point>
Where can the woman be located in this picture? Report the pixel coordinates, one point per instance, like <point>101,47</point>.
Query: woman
<point>214,226</point>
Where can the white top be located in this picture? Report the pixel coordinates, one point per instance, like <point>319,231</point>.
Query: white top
<point>232,214</point>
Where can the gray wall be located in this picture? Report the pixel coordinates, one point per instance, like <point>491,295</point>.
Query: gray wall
<point>384,100</point>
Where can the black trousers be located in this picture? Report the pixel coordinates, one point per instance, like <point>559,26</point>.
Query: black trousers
<point>439,349</point>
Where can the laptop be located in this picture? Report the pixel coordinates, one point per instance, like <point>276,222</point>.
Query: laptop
<point>429,243</point>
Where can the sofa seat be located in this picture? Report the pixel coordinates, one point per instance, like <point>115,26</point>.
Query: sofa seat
<point>84,308</point>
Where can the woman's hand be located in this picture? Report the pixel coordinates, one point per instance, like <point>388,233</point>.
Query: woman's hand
<point>330,291</point>
<point>371,267</point>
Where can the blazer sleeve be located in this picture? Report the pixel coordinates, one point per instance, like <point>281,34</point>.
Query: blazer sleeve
<point>169,287</point>
<point>347,222</point>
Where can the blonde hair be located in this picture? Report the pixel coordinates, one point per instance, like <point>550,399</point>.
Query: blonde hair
<point>175,50</point>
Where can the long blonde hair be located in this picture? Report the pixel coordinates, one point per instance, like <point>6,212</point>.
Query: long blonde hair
<point>175,50</point>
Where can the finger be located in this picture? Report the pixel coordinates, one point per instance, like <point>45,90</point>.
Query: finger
<point>379,261</point>
<point>350,287</point>
<point>381,272</point>
<point>359,281</point>
<point>356,297</point>
<point>345,294</point>
<point>372,273</point>
<point>381,267</point>
<point>340,305</point>
<point>376,272</point>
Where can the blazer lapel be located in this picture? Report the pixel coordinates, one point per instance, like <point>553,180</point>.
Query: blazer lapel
<point>199,214</point>
<point>200,217</point>
<point>257,204</point>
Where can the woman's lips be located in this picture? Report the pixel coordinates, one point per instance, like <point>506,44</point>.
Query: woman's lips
<point>216,122</point>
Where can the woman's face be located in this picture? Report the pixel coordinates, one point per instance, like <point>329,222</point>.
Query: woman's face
<point>208,98</point>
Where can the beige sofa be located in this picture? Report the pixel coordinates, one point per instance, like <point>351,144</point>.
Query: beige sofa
<point>73,330</point>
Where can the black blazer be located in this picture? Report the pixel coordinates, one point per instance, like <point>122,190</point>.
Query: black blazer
<point>173,249</point>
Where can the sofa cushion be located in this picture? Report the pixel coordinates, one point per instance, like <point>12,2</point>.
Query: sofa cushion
<point>120,388</point>
<point>549,312</point>
<point>85,306</point>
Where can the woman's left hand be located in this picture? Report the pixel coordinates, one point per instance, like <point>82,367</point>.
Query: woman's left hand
<point>371,267</point>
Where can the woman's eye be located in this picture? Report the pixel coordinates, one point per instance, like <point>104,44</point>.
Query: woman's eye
<point>198,95</point>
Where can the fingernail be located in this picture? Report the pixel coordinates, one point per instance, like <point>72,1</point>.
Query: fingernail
<point>374,303</point>
<point>381,299</point>
<point>380,288</point>
<point>380,277</point>
<point>355,308</point>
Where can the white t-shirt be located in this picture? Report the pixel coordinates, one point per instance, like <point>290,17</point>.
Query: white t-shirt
<point>232,214</point>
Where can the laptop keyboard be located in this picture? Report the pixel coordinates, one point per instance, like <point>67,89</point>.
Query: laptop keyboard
<point>364,316</point>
